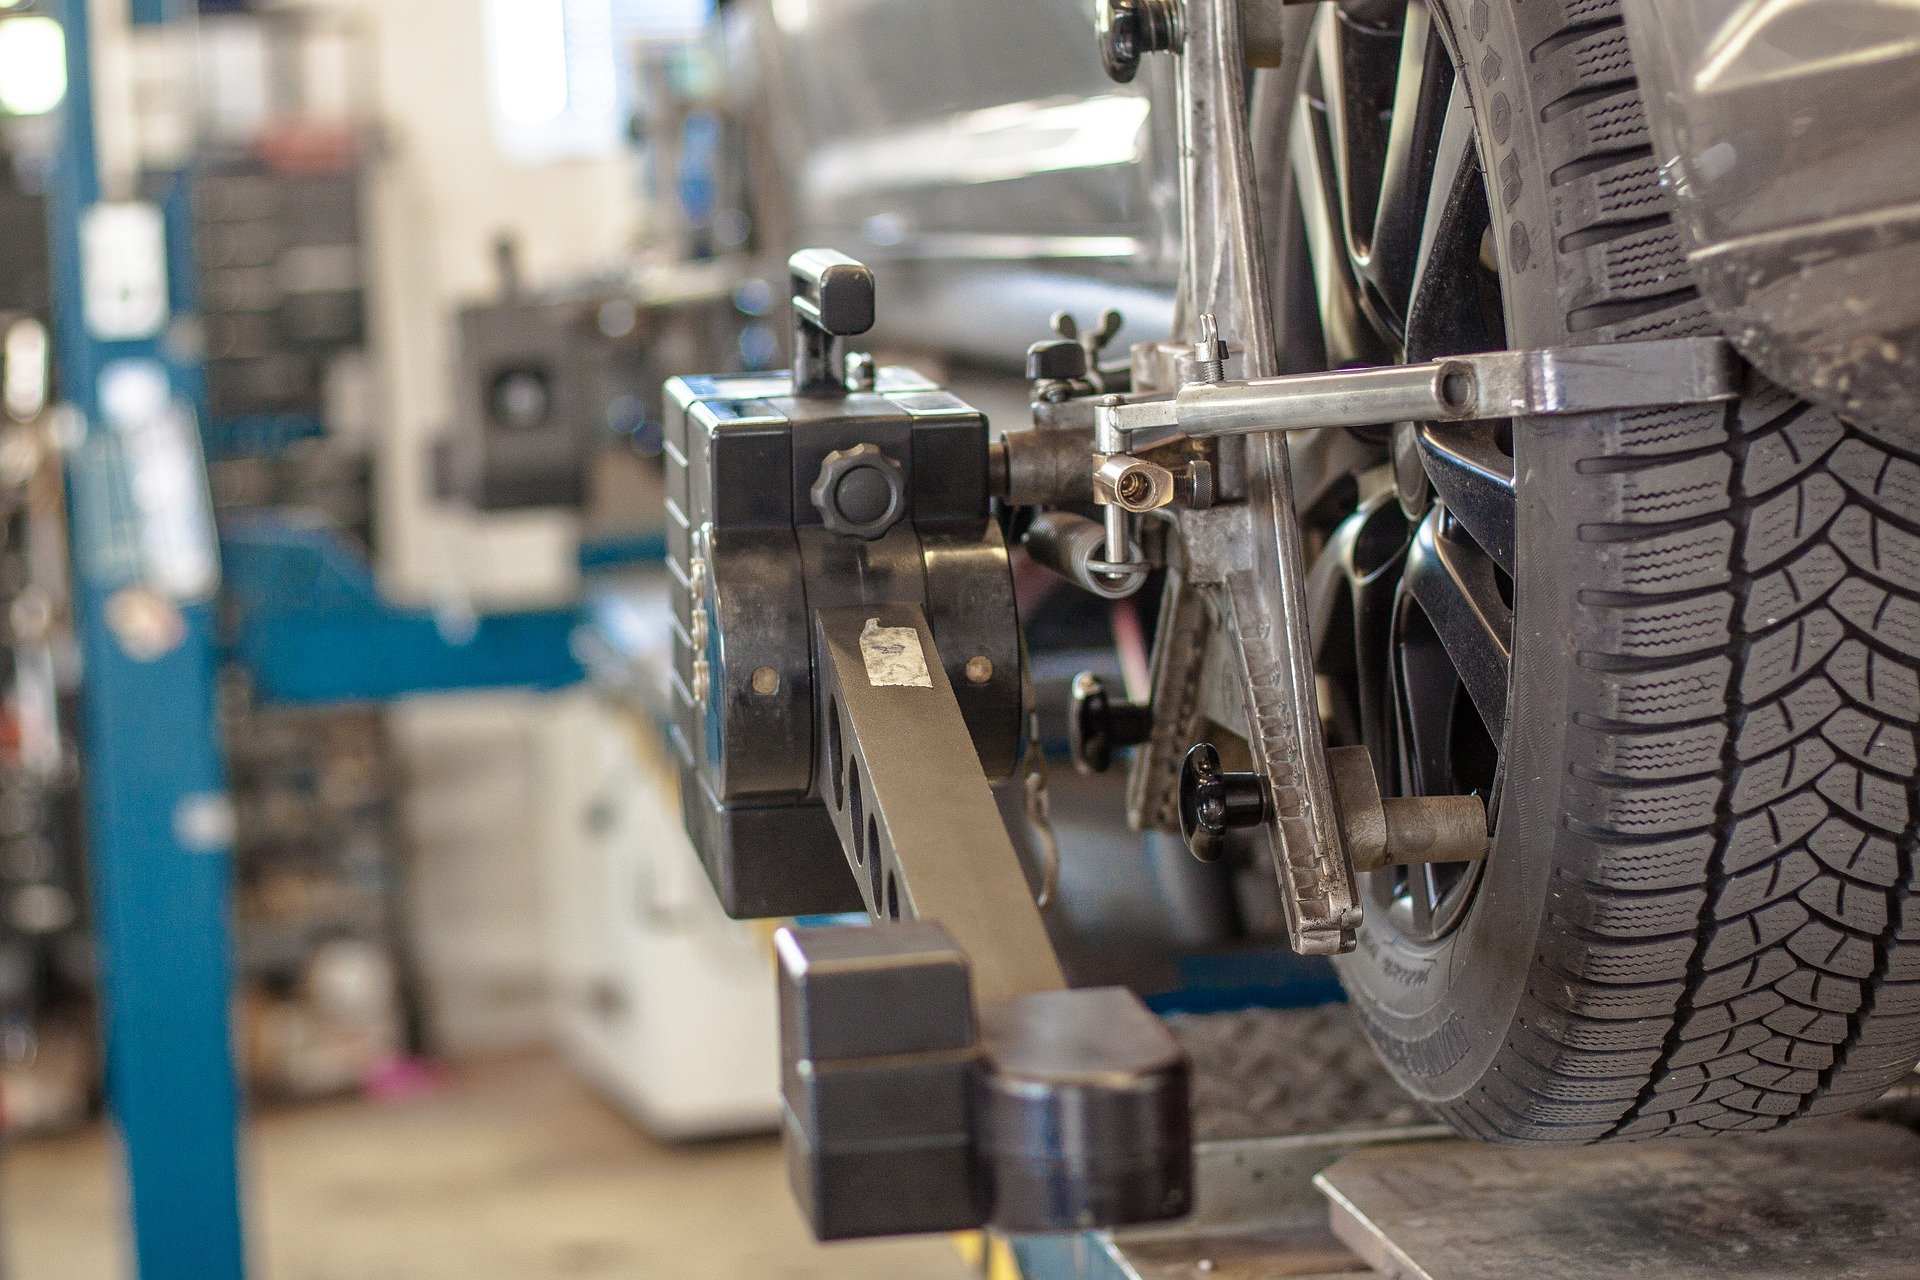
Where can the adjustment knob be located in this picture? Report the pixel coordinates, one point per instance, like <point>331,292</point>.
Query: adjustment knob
<point>1097,726</point>
<point>1056,360</point>
<point>1214,802</point>
<point>861,492</point>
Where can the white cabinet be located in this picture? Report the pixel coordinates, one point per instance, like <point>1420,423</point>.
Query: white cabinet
<point>660,1000</point>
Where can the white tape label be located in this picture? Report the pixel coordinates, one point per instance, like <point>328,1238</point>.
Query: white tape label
<point>894,657</point>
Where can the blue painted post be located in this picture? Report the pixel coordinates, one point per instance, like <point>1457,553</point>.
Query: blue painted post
<point>159,827</point>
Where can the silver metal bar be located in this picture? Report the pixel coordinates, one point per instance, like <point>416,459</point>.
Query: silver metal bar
<point>1247,554</point>
<point>1603,378</point>
<point>1106,439</point>
<point>1555,382</point>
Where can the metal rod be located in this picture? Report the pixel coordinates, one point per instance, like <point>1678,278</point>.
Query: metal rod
<point>1352,398</point>
<point>1117,539</point>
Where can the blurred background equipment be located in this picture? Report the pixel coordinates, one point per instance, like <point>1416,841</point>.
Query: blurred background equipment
<point>221,231</point>
<point>48,1063</point>
<point>377,677</point>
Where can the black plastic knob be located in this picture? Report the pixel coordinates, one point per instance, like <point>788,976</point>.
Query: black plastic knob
<point>1097,726</point>
<point>1214,802</point>
<point>832,292</point>
<point>861,492</point>
<point>1056,360</point>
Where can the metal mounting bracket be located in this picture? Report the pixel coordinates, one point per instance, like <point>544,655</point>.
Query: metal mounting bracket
<point>1556,382</point>
<point>1241,574</point>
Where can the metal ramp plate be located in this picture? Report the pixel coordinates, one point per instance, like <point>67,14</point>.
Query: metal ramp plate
<point>1834,1200</point>
<point>1258,1217</point>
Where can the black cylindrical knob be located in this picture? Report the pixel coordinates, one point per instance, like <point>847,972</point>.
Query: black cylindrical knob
<point>1056,360</point>
<point>1097,726</point>
<point>861,492</point>
<point>1214,802</point>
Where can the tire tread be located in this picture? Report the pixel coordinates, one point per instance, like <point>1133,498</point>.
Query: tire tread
<point>1731,939</point>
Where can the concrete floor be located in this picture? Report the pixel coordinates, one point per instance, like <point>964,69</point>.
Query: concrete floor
<point>512,1171</point>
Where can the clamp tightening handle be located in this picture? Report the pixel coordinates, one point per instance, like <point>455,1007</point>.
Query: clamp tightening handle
<point>833,299</point>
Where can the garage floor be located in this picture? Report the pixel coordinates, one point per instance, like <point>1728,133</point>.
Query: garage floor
<point>512,1171</point>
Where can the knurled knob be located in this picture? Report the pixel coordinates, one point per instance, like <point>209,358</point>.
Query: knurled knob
<point>861,492</point>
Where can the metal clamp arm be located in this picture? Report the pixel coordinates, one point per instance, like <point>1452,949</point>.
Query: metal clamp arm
<point>1555,382</point>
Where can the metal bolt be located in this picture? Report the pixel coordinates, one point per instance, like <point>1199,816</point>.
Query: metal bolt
<point>702,682</point>
<point>1061,360</point>
<point>1097,725</point>
<point>766,681</point>
<point>980,669</point>
<point>1131,29</point>
<point>861,372</point>
<point>1209,353</point>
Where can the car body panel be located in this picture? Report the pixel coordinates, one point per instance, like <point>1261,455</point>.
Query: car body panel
<point>977,156</point>
<point>1790,132</point>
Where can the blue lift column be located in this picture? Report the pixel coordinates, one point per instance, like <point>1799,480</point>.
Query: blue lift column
<point>158,816</point>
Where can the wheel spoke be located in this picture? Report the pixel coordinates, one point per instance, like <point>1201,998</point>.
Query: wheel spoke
<point>1472,473</point>
<point>1455,585</point>
<point>1330,46</point>
<point>1420,898</point>
<point>1365,60</point>
<point>1362,560</point>
<point>1420,101</point>
<point>1348,338</point>
<point>1454,182</point>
